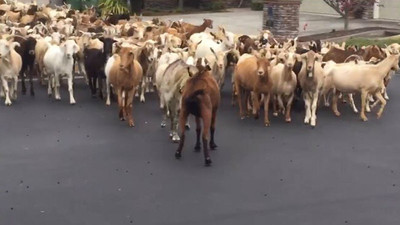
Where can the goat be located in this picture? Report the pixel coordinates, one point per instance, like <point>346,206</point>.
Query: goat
<point>201,98</point>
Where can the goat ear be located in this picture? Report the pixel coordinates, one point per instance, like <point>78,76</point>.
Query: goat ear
<point>318,58</point>
<point>212,50</point>
<point>299,58</point>
<point>214,35</point>
<point>14,44</point>
<point>76,48</point>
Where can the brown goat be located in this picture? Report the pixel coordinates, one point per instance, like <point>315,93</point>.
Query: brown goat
<point>252,75</point>
<point>192,29</point>
<point>247,44</point>
<point>339,55</point>
<point>125,75</point>
<point>200,97</point>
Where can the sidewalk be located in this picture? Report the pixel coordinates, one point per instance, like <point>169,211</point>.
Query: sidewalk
<point>245,21</point>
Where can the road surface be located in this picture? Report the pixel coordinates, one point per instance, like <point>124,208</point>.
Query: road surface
<point>67,165</point>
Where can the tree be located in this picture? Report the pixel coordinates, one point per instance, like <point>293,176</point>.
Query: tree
<point>346,7</point>
<point>137,6</point>
<point>180,4</point>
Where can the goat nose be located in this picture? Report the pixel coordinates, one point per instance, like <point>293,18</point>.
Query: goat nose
<point>260,72</point>
<point>309,68</point>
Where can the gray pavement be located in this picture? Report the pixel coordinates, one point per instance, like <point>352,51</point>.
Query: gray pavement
<point>79,165</point>
<point>246,21</point>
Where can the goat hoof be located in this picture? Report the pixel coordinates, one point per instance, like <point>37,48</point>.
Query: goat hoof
<point>163,124</point>
<point>275,114</point>
<point>378,115</point>
<point>122,118</point>
<point>337,113</point>
<point>178,155</point>
<point>175,138</point>
<point>242,117</point>
<point>267,124</point>
<point>288,120</point>
<point>207,162</point>
<point>364,119</point>
<point>197,148</point>
<point>32,93</point>
<point>256,116</point>
<point>213,146</point>
<point>131,124</point>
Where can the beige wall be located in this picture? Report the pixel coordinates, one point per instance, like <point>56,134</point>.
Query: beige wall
<point>316,6</point>
<point>390,10</point>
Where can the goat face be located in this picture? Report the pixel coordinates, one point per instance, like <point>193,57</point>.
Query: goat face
<point>395,66</point>
<point>108,46</point>
<point>127,56</point>
<point>264,39</point>
<point>150,51</point>
<point>30,45</point>
<point>69,48</point>
<point>262,67</point>
<point>208,23</point>
<point>288,59</point>
<point>309,60</point>
<point>4,48</point>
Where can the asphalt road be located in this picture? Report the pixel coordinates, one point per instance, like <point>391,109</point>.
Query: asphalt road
<point>79,165</point>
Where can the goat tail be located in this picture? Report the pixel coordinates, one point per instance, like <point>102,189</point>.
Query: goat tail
<point>193,103</point>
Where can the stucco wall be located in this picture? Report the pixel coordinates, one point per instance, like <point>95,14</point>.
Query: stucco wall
<point>390,10</point>
<point>316,6</point>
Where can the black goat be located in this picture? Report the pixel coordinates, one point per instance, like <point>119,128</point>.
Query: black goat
<point>27,52</point>
<point>95,60</point>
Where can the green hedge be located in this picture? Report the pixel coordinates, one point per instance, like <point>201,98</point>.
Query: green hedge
<point>367,41</point>
<point>257,6</point>
<point>215,6</point>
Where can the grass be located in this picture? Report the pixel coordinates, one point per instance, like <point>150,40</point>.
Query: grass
<point>372,41</point>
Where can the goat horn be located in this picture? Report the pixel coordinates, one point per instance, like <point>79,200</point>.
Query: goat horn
<point>13,36</point>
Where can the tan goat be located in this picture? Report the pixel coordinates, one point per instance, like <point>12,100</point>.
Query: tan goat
<point>311,78</point>
<point>284,82</point>
<point>366,79</point>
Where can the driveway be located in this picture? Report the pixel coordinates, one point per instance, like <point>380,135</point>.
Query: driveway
<point>79,165</point>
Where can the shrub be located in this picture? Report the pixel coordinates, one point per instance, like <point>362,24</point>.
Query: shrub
<point>257,6</point>
<point>112,7</point>
<point>215,6</point>
<point>366,41</point>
